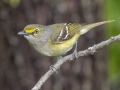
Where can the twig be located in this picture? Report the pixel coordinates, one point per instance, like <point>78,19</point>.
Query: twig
<point>90,50</point>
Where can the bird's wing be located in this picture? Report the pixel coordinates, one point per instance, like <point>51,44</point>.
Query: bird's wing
<point>64,31</point>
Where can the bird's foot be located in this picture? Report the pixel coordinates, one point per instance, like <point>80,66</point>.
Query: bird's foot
<point>53,69</point>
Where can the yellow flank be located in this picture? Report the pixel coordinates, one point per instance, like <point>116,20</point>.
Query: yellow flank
<point>63,48</point>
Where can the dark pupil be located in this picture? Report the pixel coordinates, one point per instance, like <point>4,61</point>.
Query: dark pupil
<point>36,31</point>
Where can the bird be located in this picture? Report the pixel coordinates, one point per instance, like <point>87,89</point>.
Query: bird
<point>56,39</point>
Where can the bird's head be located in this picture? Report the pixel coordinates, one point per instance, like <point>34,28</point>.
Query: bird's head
<point>34,30</point>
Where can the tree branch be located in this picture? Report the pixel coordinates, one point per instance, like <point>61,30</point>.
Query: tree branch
<point>90,50</point>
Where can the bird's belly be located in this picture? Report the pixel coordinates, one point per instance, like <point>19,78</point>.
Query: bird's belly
<point>53,51</point>
<point>44,50</point>
<point>56,49</point>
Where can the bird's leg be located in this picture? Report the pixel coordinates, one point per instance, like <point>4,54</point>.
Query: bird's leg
<point>75,54</point>
<point>52,66</point>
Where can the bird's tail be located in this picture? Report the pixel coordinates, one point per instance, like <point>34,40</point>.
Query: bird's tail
<point>86,28</point>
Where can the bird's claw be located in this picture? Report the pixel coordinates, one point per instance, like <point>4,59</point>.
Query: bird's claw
<point>53,69</point>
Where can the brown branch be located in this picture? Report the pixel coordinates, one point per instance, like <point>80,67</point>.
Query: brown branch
<point>90,50</point>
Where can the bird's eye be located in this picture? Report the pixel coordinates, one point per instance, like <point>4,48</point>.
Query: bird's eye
<point>36,31</point>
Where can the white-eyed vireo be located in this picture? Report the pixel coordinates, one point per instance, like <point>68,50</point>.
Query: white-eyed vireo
<point>56,39</point>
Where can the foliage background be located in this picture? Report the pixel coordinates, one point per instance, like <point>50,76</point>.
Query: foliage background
<point>112,12</point>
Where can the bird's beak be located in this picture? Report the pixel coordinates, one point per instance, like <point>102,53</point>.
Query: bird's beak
<point>22,33</point>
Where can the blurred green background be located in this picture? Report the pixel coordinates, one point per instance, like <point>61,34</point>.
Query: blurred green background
<point>21,66</point>
<point>112,12</point>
